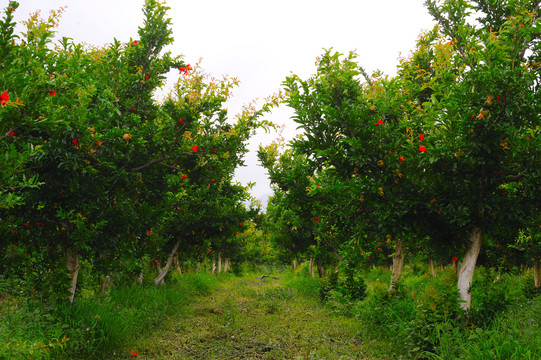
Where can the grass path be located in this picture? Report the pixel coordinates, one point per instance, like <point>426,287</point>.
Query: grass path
<point>247,318</point>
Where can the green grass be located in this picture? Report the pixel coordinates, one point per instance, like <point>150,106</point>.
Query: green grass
<point>247,318</point>
<point>93,328</point>
<point>199,316</point>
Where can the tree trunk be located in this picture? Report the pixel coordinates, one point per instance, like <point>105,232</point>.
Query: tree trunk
<point>73,268</point>
<point>198,267</point>
<point>177,265</point>
<point>105,284</point>
<point>213,266</point>
<point>294,264</point>
<point>311,266</point>
<point>536,278</point>
<point>398,264</point>
<point>160,278</point>
<point>465,275</point>
<point>226,266</point>
<point>219,263</point>
<point>159,271</point>
<point>457,268</point>
<point>431,267</point>
<point>139,279</point>
<point>320,270</point>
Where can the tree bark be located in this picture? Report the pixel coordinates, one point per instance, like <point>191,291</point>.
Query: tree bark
<point>398,264</point>
<point>105,284</point>
<point>431,267</point>
<point>226,266</point>
<point>73,268</point>
<point>311,266</point>
<point>159,271</point>
<point>159,279</point>
<point>219,263</point>
<point>177,265</point>
<point>465,275</point>
<point>213,266</point>
<point>320,270</point>
<point>536,269</point>
<point>294,264</point>
<point>198,267</point>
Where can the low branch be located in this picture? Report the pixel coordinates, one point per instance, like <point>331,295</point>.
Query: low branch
<point>151,162</point>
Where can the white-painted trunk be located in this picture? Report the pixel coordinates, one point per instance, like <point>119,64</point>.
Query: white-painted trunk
<point>295,264</point>
<point>159,271</point>
<point>72,265</point>
<point>160,278</point>
<point>198,267</point>
<point>465,275</point>
<point>219,263</point>
<point>226,266</point>
<point>213,266</point>
<point>536,278</point>
<point>311,266</point>
<point>431,267</point>
<point>398,264</point>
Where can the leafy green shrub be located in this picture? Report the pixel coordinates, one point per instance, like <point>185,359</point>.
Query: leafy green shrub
<point>493,293</point>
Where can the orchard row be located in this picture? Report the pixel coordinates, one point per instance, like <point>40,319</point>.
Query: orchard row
<point>98,175</point>
<point>441,162</point>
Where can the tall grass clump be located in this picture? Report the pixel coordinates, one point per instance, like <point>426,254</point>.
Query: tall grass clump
<point>93,327</point>
<point>303,283</point>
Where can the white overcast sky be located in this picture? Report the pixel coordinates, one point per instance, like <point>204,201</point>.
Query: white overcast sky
<point>259,41</point>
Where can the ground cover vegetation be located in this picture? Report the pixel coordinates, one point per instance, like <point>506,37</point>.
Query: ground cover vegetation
<point>414,198</point>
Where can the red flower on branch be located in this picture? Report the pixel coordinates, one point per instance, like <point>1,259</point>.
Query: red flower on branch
<point>422,149</point>
<point>421,136</point>
<point>402,158</point>
<point>158,262</point>
<point>194,148</point>
<point>209,251</point>
<point>521,25</point>
<point>11,133</point>
<point>4,98</point>
<point>52,93</point>
<point>135,42</point>
<point>147,77</point>
<point>372,108</point>
<point>98,143</point>
<point>379,249</point>
<point>184,176</point>
<point>181,121</point>
<point>380,122</point>
<point>236,234</point>
<point>454,259</point>
<point>75,142</point>
<point>317,220</point>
